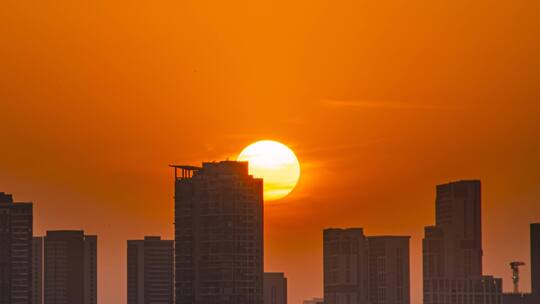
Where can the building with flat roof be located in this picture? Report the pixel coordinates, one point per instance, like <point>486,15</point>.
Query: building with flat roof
<point>365,270</point>
<point>452,249</point>
<point>150,272</point>
<point>345,260</point>
<point>16,224</point>
<point>389,273</point>
<point>275,288</point>
<point>218,234</point>
<point>70,267</point>
<point>535,261</point>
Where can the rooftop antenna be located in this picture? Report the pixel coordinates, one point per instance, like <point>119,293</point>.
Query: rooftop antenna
<point>515,274</point>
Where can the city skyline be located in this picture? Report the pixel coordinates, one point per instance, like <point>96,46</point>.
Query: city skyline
<point>458,216</point>
<point>379,101</point>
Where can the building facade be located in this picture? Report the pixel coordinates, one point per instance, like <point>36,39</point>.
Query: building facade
<point>452,249</point>
<point>16,223</point>
<point>37,270</point>
<point>70,268</point>
<point>535,261</point>
<point>518,298</point>
<point>345,259</point>
<point>150,271</point>
<point>275,288</point>
<point>218,234</point>
<point>365,270</point>
<point>465,290</point>
<point>90,269</point>
<point>389,280</point>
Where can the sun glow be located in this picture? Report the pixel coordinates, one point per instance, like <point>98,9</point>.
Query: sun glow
<point>276,164</point>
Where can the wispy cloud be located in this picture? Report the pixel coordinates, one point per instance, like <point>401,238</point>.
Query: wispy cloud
<point>363,104</point>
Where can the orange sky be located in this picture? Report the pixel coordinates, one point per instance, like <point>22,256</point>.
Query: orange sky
<point>381,100</point>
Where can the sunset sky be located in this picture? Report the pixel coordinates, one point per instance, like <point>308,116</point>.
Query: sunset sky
<point>380,100</point>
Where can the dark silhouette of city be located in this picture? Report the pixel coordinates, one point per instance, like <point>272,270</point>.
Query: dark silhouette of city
<point>217,254</point>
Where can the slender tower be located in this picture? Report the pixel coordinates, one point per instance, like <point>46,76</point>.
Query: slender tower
<point>535,261</point>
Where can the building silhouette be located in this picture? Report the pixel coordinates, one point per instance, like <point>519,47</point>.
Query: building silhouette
<point>534,296</point>
<point>365,270</point>
<point>389,273</point>
<point>314,301</point>
<point>218,234</point>
<point>70,267</point>
<point>535,261</point>
<point>37,270</point>
<point>275,288</point>
<point>452,249</point>
<point>345,260</point>
<point>16,223</point>
<point>90,269</point>
<point>150,271</point>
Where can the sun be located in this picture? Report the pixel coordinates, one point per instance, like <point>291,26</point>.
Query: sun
<point>276,164</point>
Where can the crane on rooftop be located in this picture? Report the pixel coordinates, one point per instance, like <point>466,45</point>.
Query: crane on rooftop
<point>515,274</point>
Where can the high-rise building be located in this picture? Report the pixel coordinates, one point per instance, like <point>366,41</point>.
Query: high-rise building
<point>150,271</point>
<point>218,234</point>
<point>275,288</point>
<point>345,259</point>
<point>37,270</point>
<point>16,222</point>
<point>365,270</point>
<point>452,249</point>
<point>389,280</point>
<point>535,261</point>
<point>70,267</point>
<point>458,214</point>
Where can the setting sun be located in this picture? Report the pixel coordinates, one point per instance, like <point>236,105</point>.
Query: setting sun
<point>276,164</point>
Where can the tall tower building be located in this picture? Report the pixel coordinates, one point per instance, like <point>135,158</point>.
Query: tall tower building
<point>458,214</point>
<point>218,234</point>
<point>345,262</point>
<point>37,270</point>
<point>275,288</point>
<point>389,279</point>
<point>16,222</point>
<point>452,249</point>
<point>70,264</point>
<point>150,271</point>
<point>535,261</point>
<point>365,270</point>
